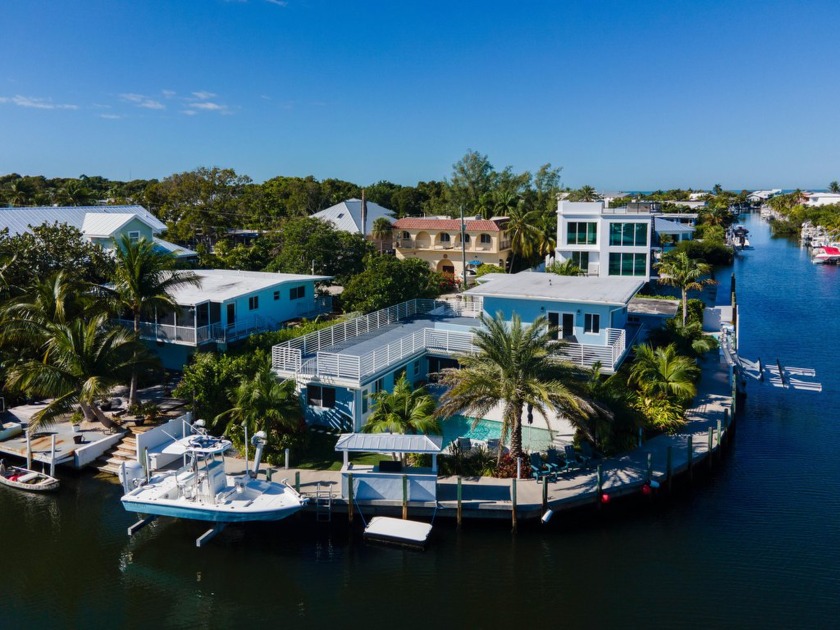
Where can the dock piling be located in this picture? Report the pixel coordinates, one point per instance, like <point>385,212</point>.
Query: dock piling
<point>690,458</point>
<point>669,462</point>
<point>297,481</point>
<point>719,437</point>
<point>349,498</point>
<point>459,514</point>
<point>545,494</point>
<point>405,497</point>
<point>599,481</point>
<point>513,505</point>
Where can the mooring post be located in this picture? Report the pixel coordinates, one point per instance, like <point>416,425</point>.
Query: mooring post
<point>350,498</point>
<point>297,481</point>
<point>690,457</point>
<point>52,457</point>
<point>268,473</point>
<point>649,467</point>
<point>726,419</point>
<point>600,486</point>
<point>545,494</point>
<point>459,515</point>
<point>513,505</point>
<point>668,466</point>
<point>719,438</point>
<point>405,496</point>
<point>709,451</point>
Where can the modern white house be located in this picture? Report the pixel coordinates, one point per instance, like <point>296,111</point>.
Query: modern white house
<point>761,196</point>
<point>817,199</point>
<point>338,369</point>
<point>229,305</point>
<point>102,225</point>
<point>615,242</point>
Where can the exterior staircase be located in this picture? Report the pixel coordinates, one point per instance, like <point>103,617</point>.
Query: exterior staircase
<point>123,451</point>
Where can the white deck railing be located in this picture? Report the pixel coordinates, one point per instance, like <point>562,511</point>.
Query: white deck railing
<point>586,355</point>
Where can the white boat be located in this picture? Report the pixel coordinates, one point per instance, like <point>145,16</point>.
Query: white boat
<point>201,490</point>
<point>827,255</point>
<point>25,479</point>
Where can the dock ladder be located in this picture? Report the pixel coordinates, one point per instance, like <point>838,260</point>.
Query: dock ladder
<point>323,503</point>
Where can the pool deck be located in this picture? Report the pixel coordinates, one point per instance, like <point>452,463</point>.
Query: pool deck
<point>490,498</point>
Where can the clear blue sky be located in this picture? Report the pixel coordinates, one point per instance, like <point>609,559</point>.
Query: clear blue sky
<point>634,94</point>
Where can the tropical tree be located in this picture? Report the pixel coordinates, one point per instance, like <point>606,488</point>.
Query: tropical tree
<point>381,231</point>
<point>834,187</point>
<point>263,403</point>
<point>565,268</point>
<point>143,283</point>
<point>677,269</point>
<point>665,382</point>
<point>80,362</point>
<point>404,410</point>
<point>523,230</point>
<point>515,366</point>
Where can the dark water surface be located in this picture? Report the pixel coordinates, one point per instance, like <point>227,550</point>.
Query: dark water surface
<point>754,544</point>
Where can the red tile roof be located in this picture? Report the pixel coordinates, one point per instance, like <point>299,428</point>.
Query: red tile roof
<point>472,225</point>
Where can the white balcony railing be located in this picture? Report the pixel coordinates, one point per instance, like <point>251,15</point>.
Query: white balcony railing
<point>586,355</point>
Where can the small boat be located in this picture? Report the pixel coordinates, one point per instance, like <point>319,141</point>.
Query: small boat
<point>827,255</point>
<point>25,479</point>
<point>200,490</point>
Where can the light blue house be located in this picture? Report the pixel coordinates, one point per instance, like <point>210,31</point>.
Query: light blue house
<point>227,306</point>
<point>339,369</point>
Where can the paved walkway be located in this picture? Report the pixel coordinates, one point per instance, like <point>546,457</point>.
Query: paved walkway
<point>487,497</point>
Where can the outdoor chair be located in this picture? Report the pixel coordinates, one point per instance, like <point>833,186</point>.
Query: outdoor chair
<point>572,459</point>
<point>540,470</point>
<point>555,464</point>
<point>587,452</point>
<point>465,444</point>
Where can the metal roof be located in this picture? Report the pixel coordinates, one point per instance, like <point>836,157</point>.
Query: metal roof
<point>550,286</point>
<point>19,220</point>
<point>105,224</point>
<point>347,215</point>
<point>664,226</point>
<point>178,251</point>
<point>218,285</point>
<point>389,443</point>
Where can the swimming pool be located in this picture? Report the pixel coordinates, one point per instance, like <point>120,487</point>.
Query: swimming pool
<point>533,439</point>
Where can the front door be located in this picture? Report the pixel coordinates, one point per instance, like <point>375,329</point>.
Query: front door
<point>568,325</point>
<point>554,324</point>
<point>231,315</point>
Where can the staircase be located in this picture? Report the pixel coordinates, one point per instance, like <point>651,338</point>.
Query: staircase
<point>123,451</point>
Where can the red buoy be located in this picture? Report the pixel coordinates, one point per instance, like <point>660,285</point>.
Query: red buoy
<point>646,490</point>
<point>605,498</point>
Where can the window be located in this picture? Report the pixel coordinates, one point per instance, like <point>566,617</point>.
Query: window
<point>378,385</point>
<point>276,295</point>
<point>581,260</point>
<point>417,367</point>
<point>365,400</point>
<point>134,236</point>
<point>466,238</point>
<point>318,396</point>
<point>297,292</point>
<point>445,238</point>
<point>592,323</point>
<point>485,239</point>
<point>624,264</point>
<point>628,234</point>
<point>406,235</point>
<point>581,233</point>
<point>253,302</point>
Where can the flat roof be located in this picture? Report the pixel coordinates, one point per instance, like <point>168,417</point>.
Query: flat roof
<point>651,306</point>
<point>224,284</point>
<point>550,286</point>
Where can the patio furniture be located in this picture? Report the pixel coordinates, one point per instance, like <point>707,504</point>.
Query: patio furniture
<point>573,461</point>
<point>539,469</point>
<point>465,444</point>
<point>587,452</point>
<point>555,464</point>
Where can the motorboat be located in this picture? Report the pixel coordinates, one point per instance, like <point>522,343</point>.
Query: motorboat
<point>28,480</point>
<point>201,490</point>
<point>828,255</point>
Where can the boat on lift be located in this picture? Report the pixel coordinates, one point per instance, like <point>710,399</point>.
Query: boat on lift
<point>828,255</point>
<point>201,490</point>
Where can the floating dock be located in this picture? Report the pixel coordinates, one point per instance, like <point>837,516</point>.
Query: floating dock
<point>396,531</point>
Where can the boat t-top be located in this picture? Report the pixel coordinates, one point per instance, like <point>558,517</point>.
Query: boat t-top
<point>201,490</point>
<point>827,255</point>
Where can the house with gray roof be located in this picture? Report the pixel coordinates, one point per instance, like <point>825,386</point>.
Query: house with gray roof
<point>347,216</point>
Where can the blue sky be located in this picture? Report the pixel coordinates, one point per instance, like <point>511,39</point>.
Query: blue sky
<point>634,95</point>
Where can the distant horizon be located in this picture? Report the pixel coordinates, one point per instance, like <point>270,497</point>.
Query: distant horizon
<point>620,95</point>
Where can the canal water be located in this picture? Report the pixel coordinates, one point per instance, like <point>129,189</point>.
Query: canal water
<point>756,543</point>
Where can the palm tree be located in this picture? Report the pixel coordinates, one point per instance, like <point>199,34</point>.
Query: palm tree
<point>264,404</point>
<point>381,231</point>
<point>834,187</point>
<point>664,382</point>
<point>677,269</point>
<point>515,366</point>
<point>405,410</point>
<point>565,268</point>
<point>587,193</point>
<point>143,282</point>
<point>524,233</point>
<point>80,362</point>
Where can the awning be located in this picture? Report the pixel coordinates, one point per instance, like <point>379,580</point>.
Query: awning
<point>389,443</point>
<point>476,262</point>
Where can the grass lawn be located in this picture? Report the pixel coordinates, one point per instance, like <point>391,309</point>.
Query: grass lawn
<point>320,454</point>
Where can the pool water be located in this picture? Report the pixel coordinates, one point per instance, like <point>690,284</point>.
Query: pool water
<point>533,439</point>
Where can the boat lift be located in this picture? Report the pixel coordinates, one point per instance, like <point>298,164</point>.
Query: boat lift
<point>778,375</point>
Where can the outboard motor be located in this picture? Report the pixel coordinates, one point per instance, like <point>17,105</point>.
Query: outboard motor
<point>131,475</point>
<point>258,440</point>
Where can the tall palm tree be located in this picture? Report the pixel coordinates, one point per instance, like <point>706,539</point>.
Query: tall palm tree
<point>81,361</point>
<point>264,404</point>
<point>381,231</point>
<point>523,229</point>
<point>515,366</point>
<point>677,269</point>
<point>143,283</point>
<point>834,187</point>
<point>404,410</point>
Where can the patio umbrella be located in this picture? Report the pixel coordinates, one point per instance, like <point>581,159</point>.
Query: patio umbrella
<point>475,262</point>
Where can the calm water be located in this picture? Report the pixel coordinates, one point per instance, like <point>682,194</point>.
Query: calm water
<point>756,544</point>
